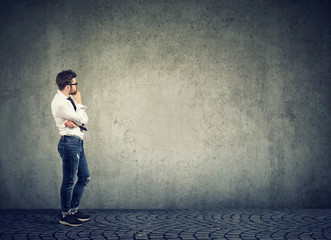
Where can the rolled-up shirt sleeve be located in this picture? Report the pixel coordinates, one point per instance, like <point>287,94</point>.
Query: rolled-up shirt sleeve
<point>79,116</point>
<point>81,111</point>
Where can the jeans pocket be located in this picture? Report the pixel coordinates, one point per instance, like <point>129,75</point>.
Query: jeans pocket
<point>72,142</point>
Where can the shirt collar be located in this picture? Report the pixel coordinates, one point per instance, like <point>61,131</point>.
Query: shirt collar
<point>62,95</point>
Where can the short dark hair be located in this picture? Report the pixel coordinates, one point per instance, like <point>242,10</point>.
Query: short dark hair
<point>64,78</point>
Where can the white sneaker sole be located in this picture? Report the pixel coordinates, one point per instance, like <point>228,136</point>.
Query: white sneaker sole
<point>83,219</point>
<point>70,224</point>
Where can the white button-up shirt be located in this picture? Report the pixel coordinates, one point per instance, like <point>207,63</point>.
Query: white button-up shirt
<point>63,110</point>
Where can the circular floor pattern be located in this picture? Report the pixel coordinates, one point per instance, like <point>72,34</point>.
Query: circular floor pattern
<point>170,224</point>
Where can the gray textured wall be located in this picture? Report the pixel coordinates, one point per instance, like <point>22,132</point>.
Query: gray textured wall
<point>192,104</point>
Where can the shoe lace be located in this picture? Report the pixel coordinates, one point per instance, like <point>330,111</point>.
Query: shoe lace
<point>73,213</point>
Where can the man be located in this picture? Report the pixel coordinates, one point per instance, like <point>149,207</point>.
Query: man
<point>70,116</point>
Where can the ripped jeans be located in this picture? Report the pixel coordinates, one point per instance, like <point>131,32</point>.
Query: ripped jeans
<point>74,163</point>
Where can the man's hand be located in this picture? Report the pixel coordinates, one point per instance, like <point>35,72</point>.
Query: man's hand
<point>70,124</point>
<point>78,97</point>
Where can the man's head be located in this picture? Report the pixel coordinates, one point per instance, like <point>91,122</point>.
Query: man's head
<point>66,81</point>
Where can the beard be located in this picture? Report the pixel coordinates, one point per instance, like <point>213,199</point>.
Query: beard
<point>73,92</point>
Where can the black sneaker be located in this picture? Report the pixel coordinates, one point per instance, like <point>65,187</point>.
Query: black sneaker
<point>70,220</point>
<point>81,216</point>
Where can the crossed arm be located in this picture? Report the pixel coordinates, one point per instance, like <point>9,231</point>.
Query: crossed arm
<point>70,124</point>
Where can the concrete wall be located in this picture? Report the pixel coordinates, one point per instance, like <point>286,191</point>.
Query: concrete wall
<point>192,104</point>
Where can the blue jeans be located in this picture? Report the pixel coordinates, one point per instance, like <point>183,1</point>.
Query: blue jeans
<point>74,163</point>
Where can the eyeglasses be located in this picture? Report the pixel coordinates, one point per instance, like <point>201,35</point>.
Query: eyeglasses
<point>73,83</point>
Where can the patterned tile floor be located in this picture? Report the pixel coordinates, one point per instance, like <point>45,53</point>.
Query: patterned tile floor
<point>171,224</point>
